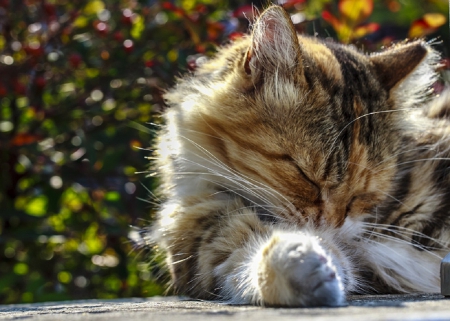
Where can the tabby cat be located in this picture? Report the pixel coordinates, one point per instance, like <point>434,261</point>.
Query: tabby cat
<point>298,171</point>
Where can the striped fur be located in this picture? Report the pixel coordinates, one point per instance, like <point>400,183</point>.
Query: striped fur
<point>298,170</point>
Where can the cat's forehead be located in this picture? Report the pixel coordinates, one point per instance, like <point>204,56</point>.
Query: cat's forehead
<point>338,80</point>
<point>336,64</point>
<point>320,54</point>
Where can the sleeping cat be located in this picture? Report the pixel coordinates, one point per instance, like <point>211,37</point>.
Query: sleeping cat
<point>298,170</point>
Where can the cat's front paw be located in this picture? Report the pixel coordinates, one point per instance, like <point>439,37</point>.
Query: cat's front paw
<point>294,270</point>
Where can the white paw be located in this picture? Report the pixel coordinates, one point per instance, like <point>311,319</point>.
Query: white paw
<point>294,270</point>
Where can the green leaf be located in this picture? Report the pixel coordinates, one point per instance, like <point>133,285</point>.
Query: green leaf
<point>37,206</point>
<point>93,7</point>
<point>21,269</point>
<point>112,196</point>
<point>138,27</point>
<point>81,22</point>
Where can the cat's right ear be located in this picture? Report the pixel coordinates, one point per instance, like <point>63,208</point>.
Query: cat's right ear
<point>399,62</point>
<point>274,45</point>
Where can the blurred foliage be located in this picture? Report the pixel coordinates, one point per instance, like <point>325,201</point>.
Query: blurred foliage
<point>81,87</point>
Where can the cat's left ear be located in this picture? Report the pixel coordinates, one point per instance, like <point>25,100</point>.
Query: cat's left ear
<point>274,44</point>
<point>398,63</point>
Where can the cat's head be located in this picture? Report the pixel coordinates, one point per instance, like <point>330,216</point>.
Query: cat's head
<point>306,127</point>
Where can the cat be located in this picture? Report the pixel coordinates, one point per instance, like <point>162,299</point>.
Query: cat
<point>297,171</point>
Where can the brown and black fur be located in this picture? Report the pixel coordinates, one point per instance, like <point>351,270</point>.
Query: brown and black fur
<point>284,140</point>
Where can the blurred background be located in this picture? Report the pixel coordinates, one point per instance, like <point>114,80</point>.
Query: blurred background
<point>81,86</point>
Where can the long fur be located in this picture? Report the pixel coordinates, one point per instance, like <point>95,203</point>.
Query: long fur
<point>297,171</point>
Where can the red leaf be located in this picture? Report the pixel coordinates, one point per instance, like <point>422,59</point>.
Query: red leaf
<point>428,24</point>
<point>365,29</point>
<point>246,11</point>
<point>24,139</point>
<point>292,3</point>
<point>235,35</point>
<point>332,20</point>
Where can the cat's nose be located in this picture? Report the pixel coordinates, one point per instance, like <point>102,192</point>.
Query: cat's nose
<point>333,215</point>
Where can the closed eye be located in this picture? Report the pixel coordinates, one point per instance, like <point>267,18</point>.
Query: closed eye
<point>349,205</point>
<point>302,173</point>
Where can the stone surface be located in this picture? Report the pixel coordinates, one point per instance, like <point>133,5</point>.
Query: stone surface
<point>388,307</point>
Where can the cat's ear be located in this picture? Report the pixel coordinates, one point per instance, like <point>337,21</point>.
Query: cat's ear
<point>395,64</point>
<point>274,43</point>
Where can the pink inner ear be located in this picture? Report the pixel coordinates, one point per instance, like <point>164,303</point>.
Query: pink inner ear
<point>265,32</point>
<point>269,25</point>
<point>248,57</point>
<point>274,42</point>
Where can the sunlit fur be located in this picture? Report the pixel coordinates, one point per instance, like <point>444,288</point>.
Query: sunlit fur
<point>298,170</point>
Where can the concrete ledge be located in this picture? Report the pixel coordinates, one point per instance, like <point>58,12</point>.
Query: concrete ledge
<point>387,307</point>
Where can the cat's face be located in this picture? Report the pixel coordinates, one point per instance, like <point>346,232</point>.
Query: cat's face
<point>309,126</point>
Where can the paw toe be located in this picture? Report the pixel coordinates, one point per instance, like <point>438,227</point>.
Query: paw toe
<point>296,271</point>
